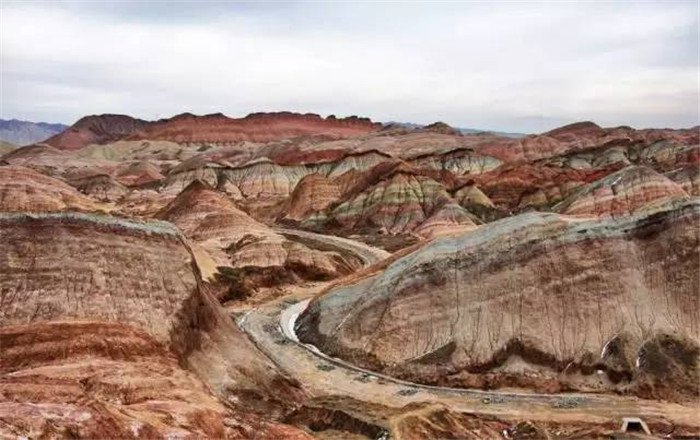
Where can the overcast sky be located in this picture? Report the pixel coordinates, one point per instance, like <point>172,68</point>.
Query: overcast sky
<point>511,66</point>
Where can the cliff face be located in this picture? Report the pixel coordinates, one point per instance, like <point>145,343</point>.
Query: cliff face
<point>100,306</point>
<point>535,289</point>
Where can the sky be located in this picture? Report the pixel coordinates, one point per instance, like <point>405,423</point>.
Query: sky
<point>508,66</point>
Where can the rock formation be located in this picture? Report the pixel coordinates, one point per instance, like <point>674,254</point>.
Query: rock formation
<point>97,129</point>
<point>235,240</point>
<point>111,325</point>
<point>621,193</point>
<point>311,195</point>
<point>537,292</point>
<point>95,349</point>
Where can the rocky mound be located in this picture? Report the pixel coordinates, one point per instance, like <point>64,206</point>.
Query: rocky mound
<point>621,193</point>
<point>535,300</point>
<point>580,136</point>
<point>688,178</point>
<point>96,129</point>
<point>25,190</point>
<point>471,198</point>
<point>459,162</point>
<point>203,213</point>
<point>442,128</point>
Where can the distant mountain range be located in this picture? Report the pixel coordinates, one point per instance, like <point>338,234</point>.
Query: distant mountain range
<point>413,126</point>
<point>25,132</point>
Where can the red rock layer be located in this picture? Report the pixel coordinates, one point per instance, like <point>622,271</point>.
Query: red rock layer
<point>215,128</point>
<point>258,127</point>
<point>96,129</point>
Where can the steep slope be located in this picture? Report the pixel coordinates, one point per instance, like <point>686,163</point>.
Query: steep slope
<point>621,193</point>
<point>25,133</point>
<point>524,299</point>
<point>96,129</point>
<point>23,189</point>
<point>76,322</point>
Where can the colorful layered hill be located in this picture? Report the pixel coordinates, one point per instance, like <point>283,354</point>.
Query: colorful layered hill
<point>234,240</point>
<point>621,193</point>
<point>538,293</point>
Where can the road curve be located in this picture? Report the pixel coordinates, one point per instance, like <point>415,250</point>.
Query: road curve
<point>271,328</point>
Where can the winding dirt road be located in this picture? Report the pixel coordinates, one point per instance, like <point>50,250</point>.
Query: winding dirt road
<point>271,328</point>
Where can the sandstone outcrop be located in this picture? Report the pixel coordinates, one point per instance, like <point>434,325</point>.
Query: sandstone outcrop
<point>536,300</point>
<point>517,187</point>
<point>138,174</point>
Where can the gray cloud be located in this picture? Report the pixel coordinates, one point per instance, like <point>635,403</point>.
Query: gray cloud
<point>508,66</point>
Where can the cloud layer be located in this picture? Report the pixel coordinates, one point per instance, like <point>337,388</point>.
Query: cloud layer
<point>508,66</point>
